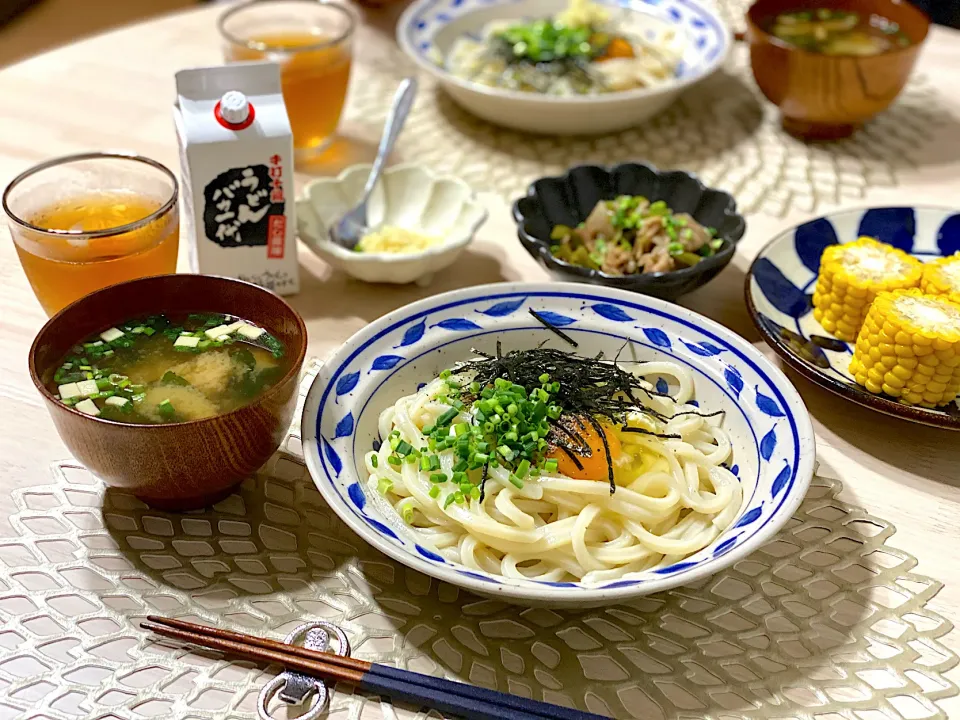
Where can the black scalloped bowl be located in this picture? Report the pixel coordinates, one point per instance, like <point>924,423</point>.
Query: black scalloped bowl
<point>568,200</point>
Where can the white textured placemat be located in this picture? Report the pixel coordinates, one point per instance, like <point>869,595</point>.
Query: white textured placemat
<point>825,622</point>
<point>723,129</point>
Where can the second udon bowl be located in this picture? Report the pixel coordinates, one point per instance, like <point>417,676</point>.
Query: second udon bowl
<point>770,430</point>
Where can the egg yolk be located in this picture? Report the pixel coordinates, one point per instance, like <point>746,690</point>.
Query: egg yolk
<point>594,464</point>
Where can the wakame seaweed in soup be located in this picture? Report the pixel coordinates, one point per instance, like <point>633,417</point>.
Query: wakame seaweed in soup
<point>163,370</point>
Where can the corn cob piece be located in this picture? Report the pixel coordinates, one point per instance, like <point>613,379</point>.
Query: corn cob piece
<point>942,277</point>
<point>909,347</point>
<point>850,277</point>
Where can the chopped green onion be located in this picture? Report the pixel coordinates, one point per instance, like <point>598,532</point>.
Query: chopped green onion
<point>514,480</point>
<point>385,485</point>
<point>434,491</point>
<point>166,410</point>
<point>447,416</point>
<point>522,469</point>
<point>374,460</point>
<point>438,477</point>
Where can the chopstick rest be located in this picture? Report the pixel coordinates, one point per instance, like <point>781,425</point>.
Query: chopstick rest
<point>296,688</point>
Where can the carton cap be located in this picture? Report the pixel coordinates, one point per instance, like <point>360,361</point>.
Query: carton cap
<point>234,107</point>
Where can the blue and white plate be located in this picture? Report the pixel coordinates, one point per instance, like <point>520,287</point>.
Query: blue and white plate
<point>770,429</point>
<point>428,30</point>
<point>780,285</point>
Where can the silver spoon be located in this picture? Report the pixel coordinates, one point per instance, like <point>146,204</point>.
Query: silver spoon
<point>351,227</point>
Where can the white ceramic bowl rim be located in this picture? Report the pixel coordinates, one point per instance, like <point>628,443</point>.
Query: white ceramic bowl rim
<point>332,381</point>
<point>441,247</point>
<point>672,85</point>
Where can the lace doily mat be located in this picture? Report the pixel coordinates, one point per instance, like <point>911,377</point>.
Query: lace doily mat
<point>826,621</point>
<point>723,129</point>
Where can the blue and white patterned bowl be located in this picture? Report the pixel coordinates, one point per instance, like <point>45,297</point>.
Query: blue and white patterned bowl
<point>770,429</point>
<point>780,284</point>
<point>428,29</point>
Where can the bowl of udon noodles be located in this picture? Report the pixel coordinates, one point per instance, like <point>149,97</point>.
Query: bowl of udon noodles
<point>564,67</point>
<point>557,444</point>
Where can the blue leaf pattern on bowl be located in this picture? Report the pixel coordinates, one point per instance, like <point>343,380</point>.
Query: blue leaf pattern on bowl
<point>750,517</point>
<point>768,405</point>
<point>703,349</point>
<point>782,294</point>
<point>332,457</point>
<point>477,576</point>
<point>457,324</point>
<point>344,427</point>
<point>725,545</point>
<point>380,527</point>
<point>657,337</point>
<point>356,495</point>
<point>348,383</point>
<point>413,334</point>
<point>811,239</point>
<point>675,568</point>
<point>948,236</point>
<point>429,554</point>
<point>611,312</point>
<point>556,318</point>
<point>662,386</point>
<point>734,380</point>
<point>768,444</point>
<point>385,362</point>
<point>781,480</point>
<point>502,309</point>
<point>895,226</point>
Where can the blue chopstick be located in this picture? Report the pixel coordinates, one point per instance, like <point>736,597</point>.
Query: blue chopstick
<point>468,701</point>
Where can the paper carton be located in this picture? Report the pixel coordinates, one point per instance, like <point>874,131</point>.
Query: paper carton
<point>236,159</point>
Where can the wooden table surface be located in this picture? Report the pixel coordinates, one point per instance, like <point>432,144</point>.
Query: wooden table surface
<point>116,90</point>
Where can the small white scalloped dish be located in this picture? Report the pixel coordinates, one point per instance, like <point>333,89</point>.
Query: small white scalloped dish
<point>770,430</point>
<point>407,196</point>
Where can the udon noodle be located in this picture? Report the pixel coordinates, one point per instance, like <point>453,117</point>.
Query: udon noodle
<point>673,493</point>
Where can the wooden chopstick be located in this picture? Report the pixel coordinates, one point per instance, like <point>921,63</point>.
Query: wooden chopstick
<point>468,701</point>
<point>265,643</point>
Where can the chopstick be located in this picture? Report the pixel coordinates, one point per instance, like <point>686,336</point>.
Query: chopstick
<point>461,699</point>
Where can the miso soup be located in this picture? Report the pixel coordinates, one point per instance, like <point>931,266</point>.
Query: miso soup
<point>166,370</point>
<point>838,32</point>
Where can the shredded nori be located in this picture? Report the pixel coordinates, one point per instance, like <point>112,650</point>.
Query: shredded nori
<point>643,431</point>
<point>549,326</point>
<point>483,482</point>
<point>589,388</point>
<point>606,451</point>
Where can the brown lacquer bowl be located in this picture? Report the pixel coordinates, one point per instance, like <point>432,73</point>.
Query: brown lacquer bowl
<point>827,97</point>
<point>177,466</point>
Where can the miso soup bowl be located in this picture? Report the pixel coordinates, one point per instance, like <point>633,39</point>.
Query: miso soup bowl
<point>827,97</point>
<point>175,466</point>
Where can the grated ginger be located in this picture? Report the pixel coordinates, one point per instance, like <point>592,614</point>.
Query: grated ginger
<point>395,241</point>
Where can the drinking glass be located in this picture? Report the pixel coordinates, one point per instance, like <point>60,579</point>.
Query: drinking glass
<point>83,222</point>
<point>311,40</point>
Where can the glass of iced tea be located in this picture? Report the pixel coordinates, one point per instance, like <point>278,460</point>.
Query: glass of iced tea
<point>311,40</point>
<point>83,222</point>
